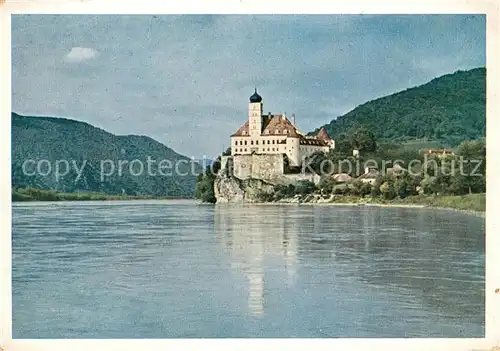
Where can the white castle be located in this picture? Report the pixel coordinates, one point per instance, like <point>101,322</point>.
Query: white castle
<point>275,134</point>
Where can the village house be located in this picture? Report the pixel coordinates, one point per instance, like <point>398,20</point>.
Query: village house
<point>396,170</point>
<point>267,134</point>
<point>438,152</point>
<point>370,176</point>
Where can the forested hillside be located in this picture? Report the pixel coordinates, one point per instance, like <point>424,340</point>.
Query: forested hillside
<point>448,109</point>
<point>95,153</point>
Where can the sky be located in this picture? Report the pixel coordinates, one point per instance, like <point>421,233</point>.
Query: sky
<point>185,80</point>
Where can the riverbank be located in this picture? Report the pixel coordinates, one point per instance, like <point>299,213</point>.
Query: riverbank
<point>474,204</point>
<point>32,194</point>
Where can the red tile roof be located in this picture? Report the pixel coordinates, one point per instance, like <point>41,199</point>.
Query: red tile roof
<point>323,135</point>
<point>242,131</point>
<point>274,125</point>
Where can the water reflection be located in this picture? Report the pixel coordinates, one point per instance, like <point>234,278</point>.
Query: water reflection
<point>253,235</point>
<point>429,259</point>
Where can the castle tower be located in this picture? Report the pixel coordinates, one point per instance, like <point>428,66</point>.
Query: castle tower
<point>255,108</point>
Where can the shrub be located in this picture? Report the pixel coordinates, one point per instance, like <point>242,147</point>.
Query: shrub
<point>305,187</point>
<point>387,190</point>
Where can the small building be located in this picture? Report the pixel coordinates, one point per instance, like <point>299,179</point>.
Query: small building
<point>438,152</point>
<point>370,176</point>
<point>396,170</point>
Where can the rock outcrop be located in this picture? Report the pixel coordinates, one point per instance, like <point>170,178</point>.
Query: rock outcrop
<point>228,188</point>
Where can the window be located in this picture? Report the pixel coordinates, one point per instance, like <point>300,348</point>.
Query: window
<point>245,143</point>
<point>245,150</point>
<point>256,142</point>
<point>285,131</point>
<point>269,142</point>
<point>273,148</point>
<point>277,131</point>
<point>273,141</point>
<point>251,142</point>
<point>268,149</point>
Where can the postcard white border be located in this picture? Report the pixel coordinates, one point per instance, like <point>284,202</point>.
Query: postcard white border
<point>488,7</point>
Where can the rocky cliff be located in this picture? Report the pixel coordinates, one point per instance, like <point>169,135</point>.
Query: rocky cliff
<point>228,188</point>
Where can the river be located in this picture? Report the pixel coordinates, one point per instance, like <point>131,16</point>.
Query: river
<point>176,269</point>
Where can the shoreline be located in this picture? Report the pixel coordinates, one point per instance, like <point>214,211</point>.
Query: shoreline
<point>354,202</point>
<point>470,212</point>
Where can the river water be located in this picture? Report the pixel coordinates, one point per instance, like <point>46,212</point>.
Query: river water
<point>176,269</point>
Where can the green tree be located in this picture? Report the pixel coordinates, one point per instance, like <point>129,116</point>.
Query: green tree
<point>357,185</point>
<point>430,185</point>
<point>363,140</point>
<point>326,184</point>
<point>387,190</point>
<point>376,187</point>
<point>403,186</point>
<point>470,171</point>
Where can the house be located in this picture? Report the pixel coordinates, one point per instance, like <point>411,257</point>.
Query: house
<point>396,170</point>
<point>370,176</point>
<point>438,152</point>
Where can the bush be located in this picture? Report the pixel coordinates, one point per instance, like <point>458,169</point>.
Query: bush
<point>366,189</point>
<point>387,190</point>
<point>326,184</point>
<point>284,191</point>
<point>305,187</point>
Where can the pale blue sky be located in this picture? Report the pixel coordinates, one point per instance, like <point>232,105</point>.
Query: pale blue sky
<point>185,80</point>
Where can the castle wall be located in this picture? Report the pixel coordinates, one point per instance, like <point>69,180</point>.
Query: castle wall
<point>265,167</point>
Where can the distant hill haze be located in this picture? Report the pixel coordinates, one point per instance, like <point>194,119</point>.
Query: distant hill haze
<point>68,155</point>
<point>448,109</point>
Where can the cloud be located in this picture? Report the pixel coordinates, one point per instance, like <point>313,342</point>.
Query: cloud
<point>79,54</point>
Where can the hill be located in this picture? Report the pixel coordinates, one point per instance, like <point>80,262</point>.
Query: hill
<point>67,156</point>
<point>447,110</point>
